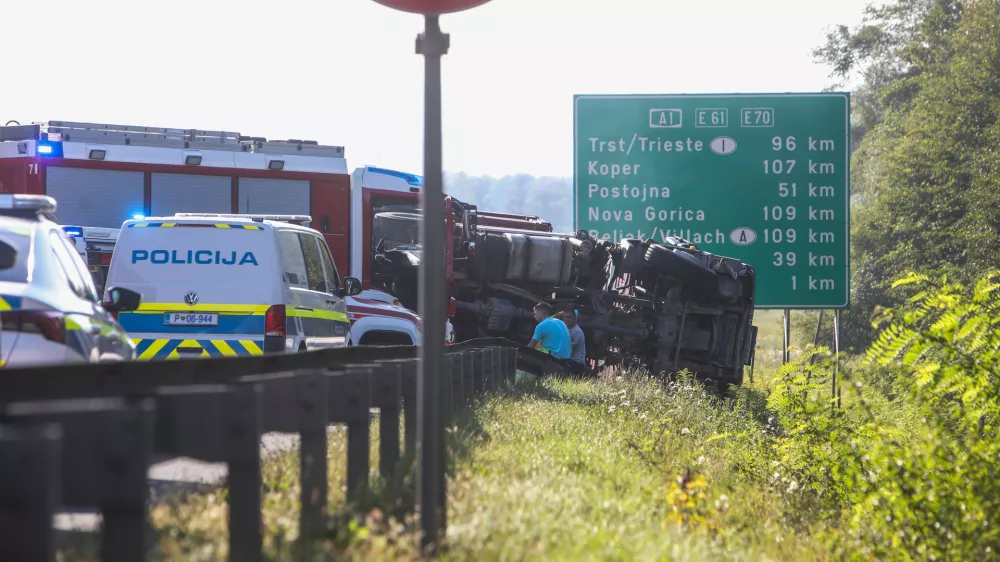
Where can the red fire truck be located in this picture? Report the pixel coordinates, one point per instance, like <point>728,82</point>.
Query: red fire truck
<point>102,175</point>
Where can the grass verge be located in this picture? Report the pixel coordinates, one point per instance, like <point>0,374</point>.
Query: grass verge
<point>621,468</point>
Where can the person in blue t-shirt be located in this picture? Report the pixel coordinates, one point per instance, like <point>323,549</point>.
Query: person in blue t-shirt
<point>551,334</point>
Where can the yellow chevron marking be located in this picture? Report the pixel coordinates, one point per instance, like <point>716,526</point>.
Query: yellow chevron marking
<point>224,348</point>
<point>153,349</point>
<point>250,346</point>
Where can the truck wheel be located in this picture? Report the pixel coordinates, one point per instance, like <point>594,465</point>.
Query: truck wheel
<point>665,261</point>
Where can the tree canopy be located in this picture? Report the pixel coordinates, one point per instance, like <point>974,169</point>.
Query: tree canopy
<point>926,170</point>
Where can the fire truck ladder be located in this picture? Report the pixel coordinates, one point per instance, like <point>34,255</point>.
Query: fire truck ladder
<point>184,138</point>
<point>145,136</point>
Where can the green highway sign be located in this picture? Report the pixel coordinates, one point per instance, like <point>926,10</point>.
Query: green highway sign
<point>764,178</point>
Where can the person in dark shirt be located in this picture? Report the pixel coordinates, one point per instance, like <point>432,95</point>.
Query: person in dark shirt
<point>578,357</point>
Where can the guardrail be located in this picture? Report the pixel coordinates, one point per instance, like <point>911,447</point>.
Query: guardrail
<point>84,436</point>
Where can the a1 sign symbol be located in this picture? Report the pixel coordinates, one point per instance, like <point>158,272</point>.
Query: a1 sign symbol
<point>432,7</point>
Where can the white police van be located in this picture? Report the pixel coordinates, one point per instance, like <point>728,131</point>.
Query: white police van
<point>228,285</point>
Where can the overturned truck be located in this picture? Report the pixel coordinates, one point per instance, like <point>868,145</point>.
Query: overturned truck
<point>663,306</point>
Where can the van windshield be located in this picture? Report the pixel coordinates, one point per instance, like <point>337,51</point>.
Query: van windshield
<point>219,264</point>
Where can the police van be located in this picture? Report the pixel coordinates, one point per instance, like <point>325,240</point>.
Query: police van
<point>228,285</point>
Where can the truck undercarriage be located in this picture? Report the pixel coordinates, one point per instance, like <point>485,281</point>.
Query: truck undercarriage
<point>665,307</point>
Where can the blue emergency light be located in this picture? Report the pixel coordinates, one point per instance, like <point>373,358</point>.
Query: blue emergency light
<point>411,179</point>
<point>49,149</point>
<point>74,231</point>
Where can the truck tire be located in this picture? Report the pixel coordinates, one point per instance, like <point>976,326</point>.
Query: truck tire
<point>664,261</point>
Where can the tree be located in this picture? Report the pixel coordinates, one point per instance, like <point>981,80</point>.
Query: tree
<point>921,114</point>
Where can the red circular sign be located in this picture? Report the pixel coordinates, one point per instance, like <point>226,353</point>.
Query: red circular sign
<point>432,6</point>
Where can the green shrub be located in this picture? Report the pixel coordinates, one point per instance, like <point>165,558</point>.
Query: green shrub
<point>908,465</point>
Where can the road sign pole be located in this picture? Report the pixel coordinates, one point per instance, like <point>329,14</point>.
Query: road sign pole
<point>432,44</point>
<point>786,337</point>
<point>836,356</point>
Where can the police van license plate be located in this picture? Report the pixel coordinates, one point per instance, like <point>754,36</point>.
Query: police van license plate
<point>190,319</point>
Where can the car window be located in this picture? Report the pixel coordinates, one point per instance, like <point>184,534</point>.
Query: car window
<point>314,262</point>
<point>329,266</point>
<point>21,242</point>
<point>76,283</point>
<point>74,257</point>
<point>292,260</point>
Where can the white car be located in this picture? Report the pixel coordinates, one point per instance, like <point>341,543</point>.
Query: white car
<point>227,285</point>
<point>49,308</point>
<point>377,318</point>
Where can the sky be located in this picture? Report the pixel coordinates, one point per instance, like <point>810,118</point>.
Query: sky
<point>345,72</point>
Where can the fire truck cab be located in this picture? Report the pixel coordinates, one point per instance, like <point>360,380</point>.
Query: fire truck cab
<point>102,175</point>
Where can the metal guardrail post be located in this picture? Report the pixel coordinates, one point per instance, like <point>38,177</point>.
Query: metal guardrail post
<point>491,368</point>
<point>29,491</point>
<point>106,453</point>
<point>457,380</point>
<point>242,431</point>
<point>468,378</point>
<point>297,403</point>
<point>386,395</point>
<point>349,404</point>
<point>220,423</point>
<point>408,380</point>
<point>498,368</point>
<point>504,365</point>
<point>478,372</point>
<point>313,395</point>
<point>444,397</point>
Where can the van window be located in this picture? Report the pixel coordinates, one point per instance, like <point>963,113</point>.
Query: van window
<point>329,267</point>
<point>314,263</point>
<point>292,259</point>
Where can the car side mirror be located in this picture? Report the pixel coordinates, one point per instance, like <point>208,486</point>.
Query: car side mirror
<point>8,256</point>
<point>352,287</point>
<point>124,300</point>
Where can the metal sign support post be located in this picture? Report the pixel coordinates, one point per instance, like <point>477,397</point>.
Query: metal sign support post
<point>786,322</point>
<point>836,356</point>
<point>432,44</point>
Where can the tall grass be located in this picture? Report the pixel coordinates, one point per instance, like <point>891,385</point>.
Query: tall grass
<point>629,468</point>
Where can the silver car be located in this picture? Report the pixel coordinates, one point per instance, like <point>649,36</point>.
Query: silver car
<point>49,308</point>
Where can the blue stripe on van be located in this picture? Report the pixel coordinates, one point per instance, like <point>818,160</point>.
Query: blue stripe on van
<point>150,323</point>
<point>167,349</point>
